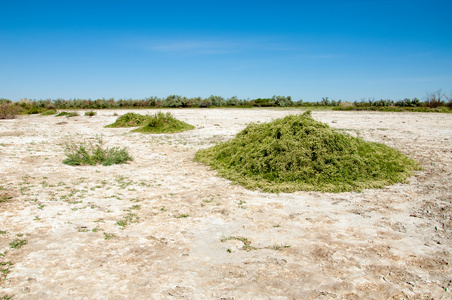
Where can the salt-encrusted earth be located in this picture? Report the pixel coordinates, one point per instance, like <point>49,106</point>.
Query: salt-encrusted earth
<point>188,234</point>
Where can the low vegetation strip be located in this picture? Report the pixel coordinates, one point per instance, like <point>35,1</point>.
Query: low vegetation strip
<point>298,153</point>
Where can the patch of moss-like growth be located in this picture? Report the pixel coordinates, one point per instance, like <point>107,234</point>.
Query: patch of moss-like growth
<point>298,153</point>
<point>163,123</point>
<point>129,120</point>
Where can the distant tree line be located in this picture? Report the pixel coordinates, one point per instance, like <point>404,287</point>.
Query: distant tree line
<point>434,101</point>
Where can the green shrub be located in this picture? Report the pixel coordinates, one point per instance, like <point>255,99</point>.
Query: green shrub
<point>88,153</point>
<point>9,110</point>
<point>48,112</point>
<point>67,114</point>
<point>163,123</point>
<point>33,110</point>
<point>298,153</point>
<point>90,113</point>
<point>4,100</point>
<point>129,120</point>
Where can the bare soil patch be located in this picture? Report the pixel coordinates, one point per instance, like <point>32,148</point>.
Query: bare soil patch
<point>164,226</point>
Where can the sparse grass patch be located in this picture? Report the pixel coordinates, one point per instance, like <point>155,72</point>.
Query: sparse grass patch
<point>127,219</point>
<point>278,247</point>
<point>299,153</point>
<point>109,236</point>
<point>181,216</point>
<point>163,123</point>
<point>5,269</point>
<point>90,113</point>
<point>18,243</point>
<point>241,204</point>
<point>88,153</point>
<point>4,197</point>
<point>246,243</point>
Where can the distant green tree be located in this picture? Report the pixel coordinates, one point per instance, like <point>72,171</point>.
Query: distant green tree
<point>216,100</point>
<point>233,101</point>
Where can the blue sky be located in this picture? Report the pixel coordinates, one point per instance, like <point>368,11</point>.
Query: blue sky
<point>345,50</point>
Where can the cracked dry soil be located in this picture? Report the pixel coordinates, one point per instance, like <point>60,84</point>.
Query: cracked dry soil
<point>166,227</point>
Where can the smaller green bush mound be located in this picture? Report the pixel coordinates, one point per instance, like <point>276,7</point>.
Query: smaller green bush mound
<point>163,123</point>
<point>67,114</point>
<point>298,153</point>
<point>129,120</point>
<point>48,112</point>
<point>90,113</point>
<point>88,153</point>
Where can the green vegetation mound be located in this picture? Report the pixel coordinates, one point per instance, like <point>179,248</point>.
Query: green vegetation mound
<point>48,112</point>
<point>298,153</point>
<point>129,120</point>
<point>163,123</point>
<point>67,114</point>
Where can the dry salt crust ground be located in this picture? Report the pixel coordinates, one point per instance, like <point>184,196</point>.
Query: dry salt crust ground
<point>186,232</point>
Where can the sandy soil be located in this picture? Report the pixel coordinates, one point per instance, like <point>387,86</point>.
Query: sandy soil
<point>190,234</point>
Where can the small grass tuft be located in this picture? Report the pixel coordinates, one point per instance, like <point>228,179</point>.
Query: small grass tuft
<point>5,197</point>
<point>299,153</point>
<point>5,269</point>
<point>17,243</point>
<point>109,236</point>
<point>128,219</point>
<point>246,243</point>
<point>87,153</point>
<point>181,216</point>
<point>90,113</point>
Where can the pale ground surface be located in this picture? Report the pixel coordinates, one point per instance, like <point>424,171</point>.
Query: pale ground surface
<point>377,244</point>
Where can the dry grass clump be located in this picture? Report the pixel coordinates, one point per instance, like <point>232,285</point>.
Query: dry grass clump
<point>298,153</point>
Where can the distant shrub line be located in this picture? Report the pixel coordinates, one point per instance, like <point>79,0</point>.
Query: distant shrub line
<point>433,102</point>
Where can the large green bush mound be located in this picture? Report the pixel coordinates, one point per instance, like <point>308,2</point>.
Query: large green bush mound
<point>299,153</point>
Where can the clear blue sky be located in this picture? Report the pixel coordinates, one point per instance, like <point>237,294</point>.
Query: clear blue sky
<point>344,49</point>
